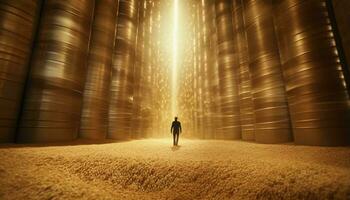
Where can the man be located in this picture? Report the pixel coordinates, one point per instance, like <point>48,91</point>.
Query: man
<point>176,130</point>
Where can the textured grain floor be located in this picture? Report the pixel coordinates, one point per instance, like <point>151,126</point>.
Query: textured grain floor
<point>152,169</point>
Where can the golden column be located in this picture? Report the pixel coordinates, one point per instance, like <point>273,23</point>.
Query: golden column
<point>151,94</point>
<point>18,20</point>
<point>94,116</point>
<point>143,90</point>
<point>341,13</point>
<point>137,97</point>
<point>154,101</point>
<point>198,72</point>
<point>317,92</point>
<point>228,68</point>
<point>272,123</point>
<point>52,105</point>
<point>213,70</point>
<point>121,88</point>
<point>246,105</point>
<point>206,65</point>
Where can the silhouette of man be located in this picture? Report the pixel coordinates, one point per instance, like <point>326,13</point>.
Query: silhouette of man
<point>175,130</point>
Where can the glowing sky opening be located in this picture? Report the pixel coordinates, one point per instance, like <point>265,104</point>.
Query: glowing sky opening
<point>175,57</point>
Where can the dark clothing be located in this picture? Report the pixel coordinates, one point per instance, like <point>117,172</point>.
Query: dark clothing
<point>176,127</point>
<point>176,130</point>
<point>175,138</point>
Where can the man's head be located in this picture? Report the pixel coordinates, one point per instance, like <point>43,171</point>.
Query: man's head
<point>175,118</point>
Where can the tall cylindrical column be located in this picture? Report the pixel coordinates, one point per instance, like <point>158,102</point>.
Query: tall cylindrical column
<point>121,88</point>
<point>147,91</point>
<point>318,99</point>
<point>18,21</point>
<point>139,66</point>
<point>342,15</point>
<point>199,75</point>
<point>206,73</point>
<point>52,106</point>
<point>94,118</point>
<point>228,68</point>
<point>214,72</point>
<point>272,123</point>
<point>246,105</point>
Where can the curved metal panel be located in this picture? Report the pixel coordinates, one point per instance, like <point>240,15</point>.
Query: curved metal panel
<point>142,33</point>
<point>341,11</point>
<point>121,89</point>
<point>199,76</point>
<point>147,95</point>
<point>208,66</point>
<point>317,95</point>
<point>214,72</point>
<point>18,20</point>
<point>94,118</point>
<point>52,105</point>
<point>272,124</point>
<point>246,105</point>
<point>228,67</point>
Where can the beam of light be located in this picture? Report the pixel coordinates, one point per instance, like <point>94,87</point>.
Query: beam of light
<point>175,56</point>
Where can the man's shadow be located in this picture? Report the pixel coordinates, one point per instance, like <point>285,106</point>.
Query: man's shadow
<point>175,148</point>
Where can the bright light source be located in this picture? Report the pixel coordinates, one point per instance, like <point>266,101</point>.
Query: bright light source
<point>175,56</point>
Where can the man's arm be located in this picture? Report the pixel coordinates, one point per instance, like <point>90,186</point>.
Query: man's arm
<point>180,127</point>
<point>172,126</point>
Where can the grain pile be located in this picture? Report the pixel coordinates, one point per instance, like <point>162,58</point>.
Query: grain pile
<point>153,169</point>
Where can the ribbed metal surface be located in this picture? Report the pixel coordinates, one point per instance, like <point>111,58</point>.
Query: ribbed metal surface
<point>318,100</point>
<point>228,68</point>
<point>94,116</point>
<point>198,72</point>
<point>121,89</point>
<point>53,99</point>
<point>207,65</point>
<point>194,82</point>
<point>246,105</point>
<point>139,66</point>
<point>214,72</point>
<point>342,15</point>
<point>18,21</point>
<point>272,123</point>
<point>147,91</point>
<point>142,111</point>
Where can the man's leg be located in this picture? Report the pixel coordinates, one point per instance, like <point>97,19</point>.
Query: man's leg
<point>174,139</point>
<point>177,138</point>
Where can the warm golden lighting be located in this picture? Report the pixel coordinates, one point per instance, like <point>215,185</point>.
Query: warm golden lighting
<point>98,84</point>
<point>122,69</point>
<point>175,57</point>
